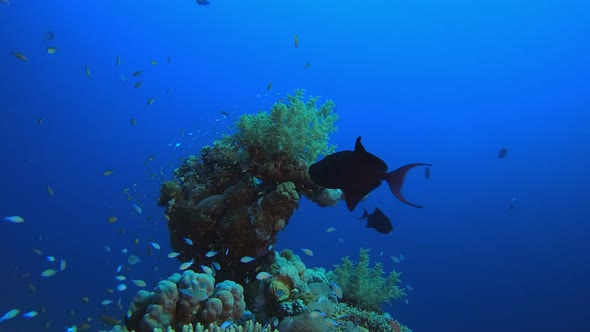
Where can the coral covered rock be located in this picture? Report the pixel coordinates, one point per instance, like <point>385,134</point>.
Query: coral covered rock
<point>244,188</point>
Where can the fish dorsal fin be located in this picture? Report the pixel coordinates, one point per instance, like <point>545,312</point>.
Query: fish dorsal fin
<point>358,146</point>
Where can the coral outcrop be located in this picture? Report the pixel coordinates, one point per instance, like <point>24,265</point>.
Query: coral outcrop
<point>243,189</point>
<point>225,208</point>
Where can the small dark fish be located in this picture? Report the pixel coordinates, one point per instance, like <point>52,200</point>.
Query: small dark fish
<point>137,73</point>
<point>269,86</point>
<point>203,2</point>
<point>358,173</point>
<point>427,172</point>
<point>512,203</point>
<point>307,65</point>
<point>169,58</point>
<point>378,221</point>
<point>502,153</point>
<point>49,36</point>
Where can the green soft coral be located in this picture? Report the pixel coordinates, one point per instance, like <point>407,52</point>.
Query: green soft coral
<point>298,128</point>
<point>365,287</point>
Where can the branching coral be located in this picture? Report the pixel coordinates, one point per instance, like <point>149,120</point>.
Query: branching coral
<point>298,128</point>
<point>363,287</point>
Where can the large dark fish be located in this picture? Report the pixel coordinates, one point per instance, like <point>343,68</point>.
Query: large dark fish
<point>378,221</point>
<point>358,173</point>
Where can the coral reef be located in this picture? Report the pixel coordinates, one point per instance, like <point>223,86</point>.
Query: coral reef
<point>248,326</point>
<point>225,208</point>
<point>243,189</point>
<point>363,287</point>
<point>192,301</point>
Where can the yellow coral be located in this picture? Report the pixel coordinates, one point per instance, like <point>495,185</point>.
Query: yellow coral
<point>280,287</point>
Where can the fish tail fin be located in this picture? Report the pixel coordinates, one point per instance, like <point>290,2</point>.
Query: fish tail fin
<point>365,214</point>
<point>396,178</point>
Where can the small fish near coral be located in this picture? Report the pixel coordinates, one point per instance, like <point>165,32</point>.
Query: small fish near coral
<point>357,173</point>
<point>377,220</point>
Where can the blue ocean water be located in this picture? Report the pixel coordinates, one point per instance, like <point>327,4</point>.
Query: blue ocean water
<point>443,82</point>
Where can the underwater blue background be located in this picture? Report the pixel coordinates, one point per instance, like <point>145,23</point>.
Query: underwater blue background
<point>443,82</point>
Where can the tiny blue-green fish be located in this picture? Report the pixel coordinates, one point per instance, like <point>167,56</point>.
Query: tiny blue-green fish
<point>188,241</point>
<point>336,289</point>
<point>173,254</point>
<point>211,253</point>
<point>48,273</point>
<point>207,269</point>
<point>306,251</point>
<point>62,264</point>
<point>186,265</point>
<point>51,258</point>
<point>200,295</point>
<point>263,275</point>
<point>139,283</point>
<point>9,315</point>
<point>137,208</point>
<point>15,219</point>
<point>30,314</point>
<point>316,313</point>
<point>246,259</point>
<point>155,245</point>
<point>133,260</point>
<point>216,266</point>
